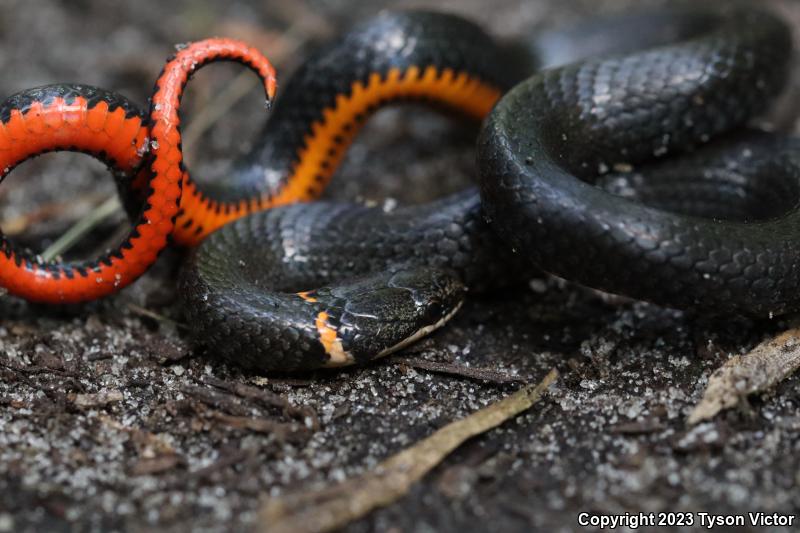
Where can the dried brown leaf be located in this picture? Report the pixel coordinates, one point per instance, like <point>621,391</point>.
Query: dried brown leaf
<point>759,370</point>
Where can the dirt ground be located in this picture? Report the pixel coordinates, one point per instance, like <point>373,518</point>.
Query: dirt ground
<point>109,421</point>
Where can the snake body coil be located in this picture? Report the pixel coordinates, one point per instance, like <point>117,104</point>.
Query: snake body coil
<point>556,132</point>
<point>250,288</point>
<point>304,286</point>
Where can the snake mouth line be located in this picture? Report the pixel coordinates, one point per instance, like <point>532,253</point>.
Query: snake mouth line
<point>420,333</point>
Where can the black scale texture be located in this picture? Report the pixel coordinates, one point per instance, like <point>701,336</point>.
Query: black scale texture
<point>46,94</point>
<point>547,135</point>
<point>232,284</point>
<point>415,258</point>
<point>558,130</point>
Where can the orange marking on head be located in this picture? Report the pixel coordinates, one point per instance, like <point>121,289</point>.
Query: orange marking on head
<point>331,342</point>
<point>327,335</point>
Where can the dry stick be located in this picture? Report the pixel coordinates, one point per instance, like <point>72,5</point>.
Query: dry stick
<point>158,317</point>
<point>280,430</point>
<point>209,115</point>
<point>333,507</point>
<point>267,398</point>
<point>96,216</point>
<point>288,44</point>
<point>478,373</point>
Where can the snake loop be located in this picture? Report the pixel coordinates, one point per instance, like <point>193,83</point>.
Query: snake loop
<point>240,287</point>
<point>553,134</point>
<point>565,182</point>
<point>107,126</point>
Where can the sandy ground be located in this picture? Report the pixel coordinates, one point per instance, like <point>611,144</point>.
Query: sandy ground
<point>108,420</point>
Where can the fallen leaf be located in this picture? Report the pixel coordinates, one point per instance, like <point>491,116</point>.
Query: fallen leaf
<point>761,369</point>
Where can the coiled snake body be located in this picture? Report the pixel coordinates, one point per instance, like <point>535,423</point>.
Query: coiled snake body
<point>324,284</point>
<point>559,129</point>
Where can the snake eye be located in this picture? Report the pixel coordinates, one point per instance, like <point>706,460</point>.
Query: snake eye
<point>435,308</point>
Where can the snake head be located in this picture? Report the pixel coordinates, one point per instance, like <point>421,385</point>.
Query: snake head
<point>379,314</point>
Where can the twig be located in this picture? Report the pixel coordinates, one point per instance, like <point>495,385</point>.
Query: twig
<point>141,438</point>
<point>19,224</point>
<point>206,117</point>
<point>282,431</point>
<point>284,382</point>
<point>97,215</point>
<point>237,416</point>
<point>158,317</point>
<point>481,374</point>
<point>39,370</point>
<point>214,399</point>
<point>96,399</point>
<point>638,428</point>
<point>291,40</point>
<point>336,506</point>
<point>99,356</point>
<point>267,398</point>
<point>55,394</point>
<point>155,465</point>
